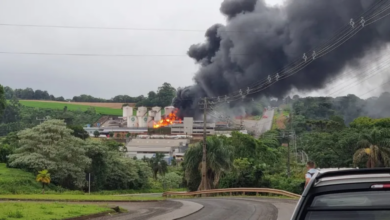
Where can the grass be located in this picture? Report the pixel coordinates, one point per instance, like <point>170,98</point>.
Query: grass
<point>46,211</point>
<point>13,181</point>
<point>71,107</point>
<point>83,197</point>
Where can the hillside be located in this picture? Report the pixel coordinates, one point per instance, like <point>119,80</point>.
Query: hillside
<point>16,181</point>
<point>108,109</point>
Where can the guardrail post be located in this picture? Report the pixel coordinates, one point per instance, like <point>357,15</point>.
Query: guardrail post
<point>230,193</point>
<point>243,193</point>
<point>257,193</point>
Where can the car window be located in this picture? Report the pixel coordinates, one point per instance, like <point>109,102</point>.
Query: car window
<point>365,198</point>
<point>348,215</point>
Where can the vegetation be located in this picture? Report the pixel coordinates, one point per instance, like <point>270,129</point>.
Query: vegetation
<point>80,197</point>
<point>47,211</point>
<point>70,107</point>
<point>69,159</point>
<point>158,165</point>
<point>163,97</point>
<point>2,101</point>
<point>43,177</point>
<point>16,181</point>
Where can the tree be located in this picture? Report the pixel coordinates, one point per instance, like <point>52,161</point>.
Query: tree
<point>374,147</point>
<point>96,134</point>
<point>51,146</point>
<point>165,94</point>
<point>9,92</point>
<point>12,111</point>
<point>44,178</point>
<point>2,101</point>
<point>219,160</point>
<point>158,165</point>
<point>79,132</point>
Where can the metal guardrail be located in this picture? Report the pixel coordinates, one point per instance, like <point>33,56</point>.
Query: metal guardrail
<point>234,190</point>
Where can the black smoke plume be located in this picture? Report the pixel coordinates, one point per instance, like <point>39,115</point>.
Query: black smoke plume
<point>259,40</point>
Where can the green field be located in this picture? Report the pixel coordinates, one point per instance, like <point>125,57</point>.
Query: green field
<point>46,211</point>
<point>83,197</point>
<point>14,181</point>
<point>71,107</point>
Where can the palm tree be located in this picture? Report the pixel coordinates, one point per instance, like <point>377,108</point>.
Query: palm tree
<point>158,165</point>
<point>219,159</point>
<point>44,178</point>
<point>376,146</point>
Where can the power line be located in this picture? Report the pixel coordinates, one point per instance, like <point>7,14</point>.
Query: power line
<point>93,54</point>
<point>280,76</point>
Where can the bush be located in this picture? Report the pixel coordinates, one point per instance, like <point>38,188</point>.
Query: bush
<point>170,180</point>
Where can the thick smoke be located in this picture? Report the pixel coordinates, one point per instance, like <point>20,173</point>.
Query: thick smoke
<point>259,40</point>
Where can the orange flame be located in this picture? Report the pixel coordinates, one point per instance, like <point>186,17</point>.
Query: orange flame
<point>168,120</point>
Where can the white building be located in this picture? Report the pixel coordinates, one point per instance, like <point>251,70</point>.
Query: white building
<point>191,127</point>
<point>149,147</point>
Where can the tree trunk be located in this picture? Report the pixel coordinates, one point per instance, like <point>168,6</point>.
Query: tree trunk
<point>372,157</point>
<point>43,188</point>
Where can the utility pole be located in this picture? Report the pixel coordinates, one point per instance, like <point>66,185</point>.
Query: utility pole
<point>204,169</point>
<point>288,158</point>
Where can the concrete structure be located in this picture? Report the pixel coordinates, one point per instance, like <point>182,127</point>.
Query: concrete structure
<point>157,113</point>
<point>168,110</point>
<point>149,147</point>
<point>141,111</point>
<point>127,111</point>
<point>142,121</point>
<point>132,121</point>
<point>105,130</point>
<point>191,127</point>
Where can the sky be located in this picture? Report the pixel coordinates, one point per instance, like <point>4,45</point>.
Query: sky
<point>103,76</point>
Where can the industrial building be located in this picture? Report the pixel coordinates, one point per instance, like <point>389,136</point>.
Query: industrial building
<point>140,148</point>
<point>144,118</point>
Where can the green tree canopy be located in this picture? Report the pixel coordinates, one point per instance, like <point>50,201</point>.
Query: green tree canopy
<point>51,146</point>
<point>219,161</point>
<point>2,101</point>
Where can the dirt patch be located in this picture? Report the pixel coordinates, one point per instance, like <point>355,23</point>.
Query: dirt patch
<point>280,121</point>
<point>95,104</point>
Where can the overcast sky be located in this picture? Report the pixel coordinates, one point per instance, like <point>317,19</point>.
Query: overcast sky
<point>106,77</point>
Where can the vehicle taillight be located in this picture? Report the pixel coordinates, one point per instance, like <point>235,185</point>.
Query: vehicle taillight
<point>380,186</point>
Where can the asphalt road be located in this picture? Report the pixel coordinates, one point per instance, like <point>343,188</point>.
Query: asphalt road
<point>243,209</point>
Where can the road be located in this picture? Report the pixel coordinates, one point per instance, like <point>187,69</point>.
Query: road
<point>213,209</point>
<point>260,126</point>
<point>243,209</point>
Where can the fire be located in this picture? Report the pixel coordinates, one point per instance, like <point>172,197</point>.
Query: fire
<point>168,120</point>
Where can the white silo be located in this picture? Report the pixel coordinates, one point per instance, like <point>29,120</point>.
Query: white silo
<point>157,116</point>
<point>152,113</point>
<point>150,122</point>
<point>141,111</point>
<point>132,121</point>
<point>142,122</point>
<point>168,110</point>
<point>127,111</point>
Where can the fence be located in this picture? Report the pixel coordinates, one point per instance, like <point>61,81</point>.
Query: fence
<point>234,190</point>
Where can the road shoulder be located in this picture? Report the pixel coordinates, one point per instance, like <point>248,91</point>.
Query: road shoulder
<point>188,208</point>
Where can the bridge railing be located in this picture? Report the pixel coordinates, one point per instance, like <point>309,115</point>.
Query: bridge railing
<point>234,190</point>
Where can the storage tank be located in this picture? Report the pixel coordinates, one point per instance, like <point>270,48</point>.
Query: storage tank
<point>150,121</point>
<point>132,121</point>
<point>168,110</point>
<point>157,116</point>
<point>141,111</point>
<point>127,111</point>
<point>152,113</point>
<point>142,122</point>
